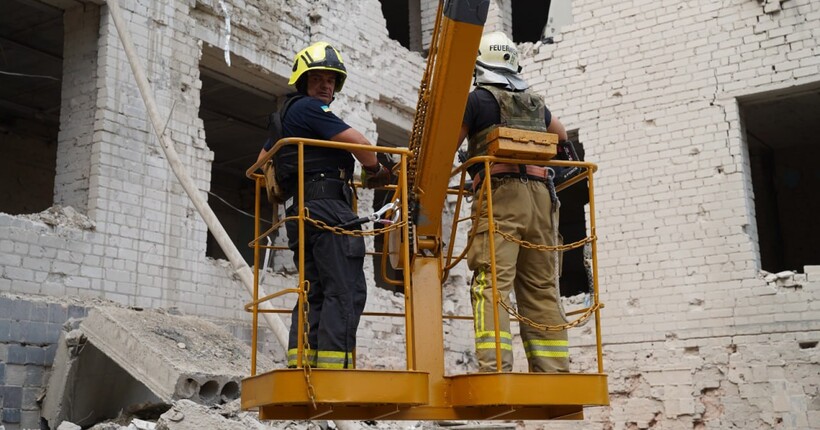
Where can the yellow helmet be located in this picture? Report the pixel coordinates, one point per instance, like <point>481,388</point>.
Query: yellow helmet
<point>497,52</point>
<point>319,56</point>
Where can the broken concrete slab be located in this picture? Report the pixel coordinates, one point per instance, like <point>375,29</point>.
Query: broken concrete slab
<point>87,386</point>
<point>176,357</point>
<point>120,359</point>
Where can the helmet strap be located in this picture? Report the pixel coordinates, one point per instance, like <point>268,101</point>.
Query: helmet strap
<point>301,84</point>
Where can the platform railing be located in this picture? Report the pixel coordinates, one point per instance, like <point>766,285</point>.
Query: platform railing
<point>302,218</point>
<point>400,189</point>
<point>423,390</point>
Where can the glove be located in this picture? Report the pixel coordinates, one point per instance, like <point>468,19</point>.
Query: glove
<point>375,176</point>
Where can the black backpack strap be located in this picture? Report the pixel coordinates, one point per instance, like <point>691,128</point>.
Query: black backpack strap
<point>275,118</point>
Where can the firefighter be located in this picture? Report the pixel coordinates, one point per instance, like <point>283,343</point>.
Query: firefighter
<point>333,264</point>
<point>525,207</point>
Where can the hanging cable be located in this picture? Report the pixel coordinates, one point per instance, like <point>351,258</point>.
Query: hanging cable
<point>26,75</point>
<point>247,214</point>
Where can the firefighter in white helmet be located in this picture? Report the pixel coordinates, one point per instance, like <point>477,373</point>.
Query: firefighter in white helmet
<point>333,262</point>
<point>525,207</point>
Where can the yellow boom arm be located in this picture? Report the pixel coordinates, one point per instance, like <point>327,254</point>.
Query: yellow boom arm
<point>452,60</point>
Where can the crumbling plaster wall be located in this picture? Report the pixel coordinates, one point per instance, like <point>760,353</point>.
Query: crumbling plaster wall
<point>695,338</point>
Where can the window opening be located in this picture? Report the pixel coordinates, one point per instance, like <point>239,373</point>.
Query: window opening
<point>31,64</point>
<point>573,227</point>
<point>781,133</point>
<point>529,18</point>
<point>235,121</point>
<point>403,22</point>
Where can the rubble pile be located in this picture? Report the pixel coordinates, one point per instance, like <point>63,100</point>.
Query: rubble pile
<point>188,415</point>
<point>64,216</point>
<point>132,369</point>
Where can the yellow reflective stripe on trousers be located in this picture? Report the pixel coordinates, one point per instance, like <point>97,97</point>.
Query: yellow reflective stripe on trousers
<point>292,355</point>
<point>478,293</point>
<point>491,345</point>
<point>547,348</point>
<point>486,340</point>
<point>334,359</point>
<point>502,334</point>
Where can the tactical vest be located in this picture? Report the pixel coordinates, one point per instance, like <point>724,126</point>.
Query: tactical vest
<point>519,109</point>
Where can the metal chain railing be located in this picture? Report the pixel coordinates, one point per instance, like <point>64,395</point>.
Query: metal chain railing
<point>565,247</point>
<point>531,245</point>
<point>339,230</point>
<point>560,327</point>
<point>311,391</point>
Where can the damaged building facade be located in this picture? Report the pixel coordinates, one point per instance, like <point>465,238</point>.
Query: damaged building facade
<point>701,116</point>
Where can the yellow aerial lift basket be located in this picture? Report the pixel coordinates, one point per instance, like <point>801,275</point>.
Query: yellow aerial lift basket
<point>422,391</point>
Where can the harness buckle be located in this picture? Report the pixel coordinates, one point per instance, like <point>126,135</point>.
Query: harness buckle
<point>522,174</point>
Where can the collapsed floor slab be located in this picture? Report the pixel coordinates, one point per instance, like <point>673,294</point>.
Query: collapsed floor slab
<point>119,359</point>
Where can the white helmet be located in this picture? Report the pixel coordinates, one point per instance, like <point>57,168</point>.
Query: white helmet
<point>497,52</point>
<point>497,62</point>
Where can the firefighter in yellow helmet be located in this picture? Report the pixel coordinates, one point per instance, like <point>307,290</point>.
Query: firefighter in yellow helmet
<point>333,262</point>
<point>524,207</point>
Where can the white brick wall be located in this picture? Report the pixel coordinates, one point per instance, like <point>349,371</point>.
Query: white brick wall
<point>75,150</point>
<point>651,86</point>
<point>499,17</point>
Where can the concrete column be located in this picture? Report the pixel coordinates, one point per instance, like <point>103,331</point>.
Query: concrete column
<point>77,113</point>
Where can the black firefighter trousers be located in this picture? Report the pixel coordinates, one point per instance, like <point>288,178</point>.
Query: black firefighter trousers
<point>337,288</point>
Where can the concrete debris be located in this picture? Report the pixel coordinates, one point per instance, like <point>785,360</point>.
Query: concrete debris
<point>108,425</point>
<point>771,277</point>
<point>578,299</point>
<point>64,216</point>
<point>137,363</point>
<point>123,369</point>
<point>86,386</point>
<point>188,415</point>
<point>784,279</point>
<point>138,424</point>
<point>177,357</point>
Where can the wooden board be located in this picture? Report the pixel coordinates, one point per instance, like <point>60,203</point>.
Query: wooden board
<point>514,143</point>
